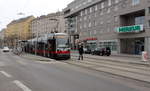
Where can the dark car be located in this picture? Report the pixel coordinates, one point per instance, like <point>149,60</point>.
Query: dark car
<point>87,51</point>
<point>107,51</point>
<point>96,51</point>
<point>101,51</point>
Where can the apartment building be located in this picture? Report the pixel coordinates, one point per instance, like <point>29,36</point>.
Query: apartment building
<point>50,23</point>
<point>123,25</point>
<point>2,38</point>
<point>18,30</point>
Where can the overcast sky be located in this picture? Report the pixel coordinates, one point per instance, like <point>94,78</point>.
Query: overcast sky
<point>10,8</point>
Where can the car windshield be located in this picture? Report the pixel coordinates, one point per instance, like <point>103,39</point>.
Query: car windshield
<point>6,48</point>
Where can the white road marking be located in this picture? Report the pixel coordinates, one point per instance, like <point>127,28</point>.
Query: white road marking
<point>21,85</point>
<point>6,74</point>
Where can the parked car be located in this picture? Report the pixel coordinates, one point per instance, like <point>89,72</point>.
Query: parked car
<point>108,51</point>
<point>6,49</point>
<point>87,51</point>
<point>101,51</point>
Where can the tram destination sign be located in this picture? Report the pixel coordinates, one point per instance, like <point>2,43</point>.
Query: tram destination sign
<point>128,29</point>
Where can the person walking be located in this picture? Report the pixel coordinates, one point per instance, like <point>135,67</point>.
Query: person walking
<point>80,49</point>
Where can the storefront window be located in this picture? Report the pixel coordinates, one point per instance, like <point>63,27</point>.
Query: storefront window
<point>139,20</point>
<point>112,45</point>
<point>135,2</point>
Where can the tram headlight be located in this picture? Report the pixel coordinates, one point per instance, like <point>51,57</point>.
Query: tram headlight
<point>59,49</point>
<point>67,49</point>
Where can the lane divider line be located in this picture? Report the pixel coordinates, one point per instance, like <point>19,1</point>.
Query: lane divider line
<point>21,85</point>
<point>6,74</point>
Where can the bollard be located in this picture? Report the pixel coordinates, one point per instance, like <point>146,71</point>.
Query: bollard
<point>144,56</point>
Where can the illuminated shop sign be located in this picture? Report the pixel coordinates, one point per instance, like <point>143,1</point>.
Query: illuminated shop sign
<point>126,29</point>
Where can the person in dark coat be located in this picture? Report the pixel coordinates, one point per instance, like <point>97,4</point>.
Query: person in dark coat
<point>81,51</point>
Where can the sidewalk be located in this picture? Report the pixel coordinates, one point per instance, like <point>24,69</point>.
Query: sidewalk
<point>127,67</point>
<point>131,59</point>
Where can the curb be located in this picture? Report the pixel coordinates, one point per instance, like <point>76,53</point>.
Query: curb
<point>145,64</point>
<point>90,68</point>
<point>36,59</point>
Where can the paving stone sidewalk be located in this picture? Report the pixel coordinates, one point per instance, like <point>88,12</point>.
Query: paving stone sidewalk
<point>118,58</point>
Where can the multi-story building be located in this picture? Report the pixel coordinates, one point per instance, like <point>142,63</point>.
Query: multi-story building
<point>2,38</point>
<point>123,25</point>
<point>18,30</point>
<point>50,23</point>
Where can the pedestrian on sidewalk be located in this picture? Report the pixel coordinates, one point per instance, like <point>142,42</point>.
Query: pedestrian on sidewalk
<point>80,49</point>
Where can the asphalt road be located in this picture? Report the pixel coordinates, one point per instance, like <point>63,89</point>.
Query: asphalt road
<point>19,74</point>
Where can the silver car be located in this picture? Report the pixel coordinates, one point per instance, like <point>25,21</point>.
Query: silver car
<point>5,49</point>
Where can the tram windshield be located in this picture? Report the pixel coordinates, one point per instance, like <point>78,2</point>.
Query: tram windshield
<point>62,43</point>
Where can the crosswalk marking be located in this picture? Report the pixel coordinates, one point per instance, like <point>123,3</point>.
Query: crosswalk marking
<point>6,74</point>
<point>21,85</point>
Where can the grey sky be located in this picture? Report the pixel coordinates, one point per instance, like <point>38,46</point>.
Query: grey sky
<point>10,8</point>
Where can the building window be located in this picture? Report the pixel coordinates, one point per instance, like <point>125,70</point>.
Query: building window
<point>109,2</point>
<point>90,9</point>
<point>95,23</point>
<point>102,5</point>
<point>85,18</point>
<point>89,24</point>
<point>96,8</point>
<point>139,20</point>
<point>149,23</point>
<point>149,10</point>
<point>135,2</point>
<point>116,19</point>
<point>112,45</point>
<point>80,19</point>
<point>80,26</point>
<point>116,1</point>
<point>81,14</point>
<point>85,11</point>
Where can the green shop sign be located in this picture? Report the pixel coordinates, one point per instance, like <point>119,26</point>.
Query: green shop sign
<point>136,28</point>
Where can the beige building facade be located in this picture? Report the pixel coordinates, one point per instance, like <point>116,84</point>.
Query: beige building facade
<point>50,23</point>
<point>18,30</point>
<point>2,38</point>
